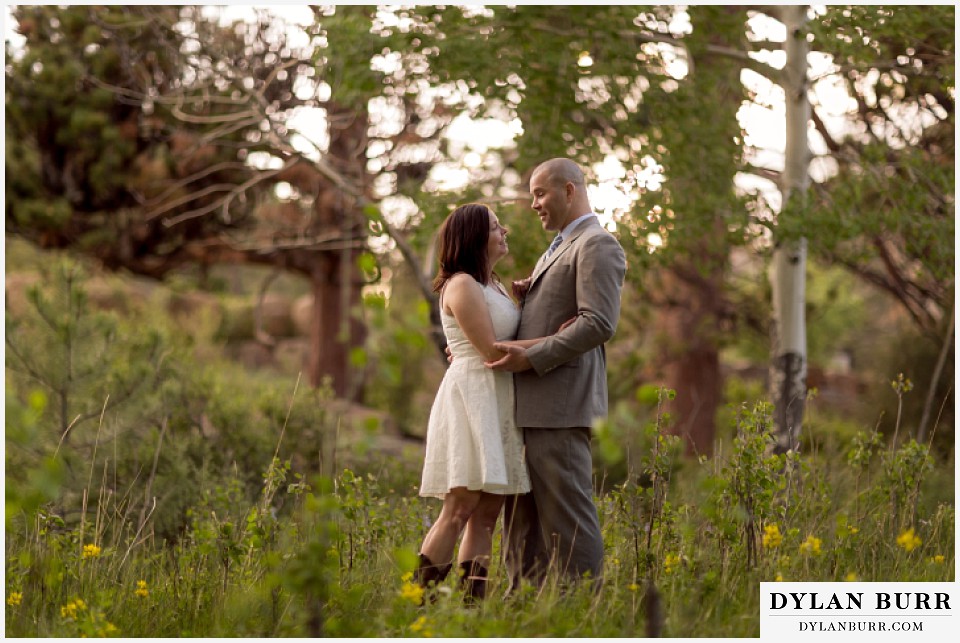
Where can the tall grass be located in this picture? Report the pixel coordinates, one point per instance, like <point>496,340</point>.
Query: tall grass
<point>685,552</point>
<point>154,491</point>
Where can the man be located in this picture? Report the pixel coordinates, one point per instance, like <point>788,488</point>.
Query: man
<point>561,385</point>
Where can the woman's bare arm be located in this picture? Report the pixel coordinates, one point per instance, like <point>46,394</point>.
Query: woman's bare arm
<point>527,343</point>
<point>463,298</point>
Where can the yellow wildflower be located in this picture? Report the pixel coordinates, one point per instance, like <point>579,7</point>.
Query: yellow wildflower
<point>107,630</point>
<point>142,590</point>
<point>633,587</point>
<point>772,536</point>
<point>421,626</point>
<point>854,531</point>
<point>412,592</point>
<point>811,546</point>
<point>71,609</point>
<point>407,577</point>
<point>851,577</point>
<point>670,562</point>
<point>908,540</point>
<point>779,578</point>
<point>90,551</point>
<point>15,598</point>
<point>938,559</point>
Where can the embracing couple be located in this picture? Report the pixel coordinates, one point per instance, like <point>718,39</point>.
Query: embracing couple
<point>521,442</point>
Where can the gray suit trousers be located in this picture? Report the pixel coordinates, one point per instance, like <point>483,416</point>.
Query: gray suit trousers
<point>555,526</point>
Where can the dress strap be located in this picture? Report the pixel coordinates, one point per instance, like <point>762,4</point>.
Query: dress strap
<point>502,290</point>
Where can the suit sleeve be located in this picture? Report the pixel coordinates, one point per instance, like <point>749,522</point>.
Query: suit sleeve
<point>601,266</point>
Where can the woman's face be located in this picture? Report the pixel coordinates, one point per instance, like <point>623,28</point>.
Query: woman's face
<point>497,243</point>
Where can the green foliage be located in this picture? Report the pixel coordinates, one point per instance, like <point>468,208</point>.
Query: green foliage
<point>745,495</point>
<point>183,499</point>
<point>641,503</point>
<point>84,362</point>
<point>399,352</point>
<point>893,192</point>
<point>128,141</point>
<point>863,34</point>
<point>245,540</point>
<point>913,357</point>
<point>902,472</point>
<point>61,47</point>
<point>338,560</point>
<point>44,473</point>
<point>838,315</point>
<point>93,391</point>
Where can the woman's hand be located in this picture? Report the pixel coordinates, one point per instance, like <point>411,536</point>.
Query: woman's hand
<point>520,288</point>
<point>524,344</point>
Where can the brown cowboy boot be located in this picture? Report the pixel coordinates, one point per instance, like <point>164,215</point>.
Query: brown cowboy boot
<point>473,580</point>
<point>429,575</point>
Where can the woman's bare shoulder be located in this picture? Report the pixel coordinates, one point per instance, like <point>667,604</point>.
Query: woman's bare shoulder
<point>459,287</point>
<point>461,280</point>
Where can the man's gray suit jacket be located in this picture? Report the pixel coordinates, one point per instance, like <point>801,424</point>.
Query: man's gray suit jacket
<point>567,386</point>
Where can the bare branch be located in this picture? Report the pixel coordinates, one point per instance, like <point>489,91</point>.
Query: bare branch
<point>196,176</point>
<point>871,66</point>
<point>180,99</point>
<point>207,120</point>
<point>193,196</point>
<point>832,144</point>
<point>293,62</point>
<point>226,201</point>
<point>230,128</point>
<point>328,241</point>
<point>764,173</point>
<point>770,73</point>
<point>423,282</point>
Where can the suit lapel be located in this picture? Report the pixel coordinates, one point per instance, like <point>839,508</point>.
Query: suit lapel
<point>544,265</point>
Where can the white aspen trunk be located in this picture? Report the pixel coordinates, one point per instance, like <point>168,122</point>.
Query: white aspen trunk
<point>788,368</point>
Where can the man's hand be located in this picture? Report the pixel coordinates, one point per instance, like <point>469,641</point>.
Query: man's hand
<point>569,322</point>
<point>446,349</point>
<point>514,361</point>
<point>520,288</point>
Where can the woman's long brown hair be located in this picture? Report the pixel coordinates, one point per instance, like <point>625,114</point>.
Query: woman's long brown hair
<point>462,244</point>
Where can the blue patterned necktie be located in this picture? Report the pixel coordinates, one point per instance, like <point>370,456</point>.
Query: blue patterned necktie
<point>557,240</point>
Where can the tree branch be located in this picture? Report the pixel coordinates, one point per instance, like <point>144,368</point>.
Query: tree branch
<point>832,144</point>
<point>224,203</point>
<point>196,176</point>
<point>326,241</point>
<point>883,282</point>
<point>764,173</point>
<point>935,378</point>
<point>193,196</point>
<point>423,282</point>
<point>231,117</point>
<point>181,98</point>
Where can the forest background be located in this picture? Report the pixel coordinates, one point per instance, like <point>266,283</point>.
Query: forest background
<point>221,345</point>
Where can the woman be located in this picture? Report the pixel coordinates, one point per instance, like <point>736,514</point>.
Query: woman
<point>474,452</point>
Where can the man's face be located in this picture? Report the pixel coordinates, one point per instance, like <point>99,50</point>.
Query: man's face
<point>550,201</point>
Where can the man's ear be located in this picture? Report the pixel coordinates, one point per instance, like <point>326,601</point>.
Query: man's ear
<point>571,190</point>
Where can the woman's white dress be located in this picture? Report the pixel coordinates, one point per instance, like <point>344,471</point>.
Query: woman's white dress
<point>472,437</point>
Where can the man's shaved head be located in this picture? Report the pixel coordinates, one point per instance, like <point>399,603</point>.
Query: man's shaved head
<point>562,171</point>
